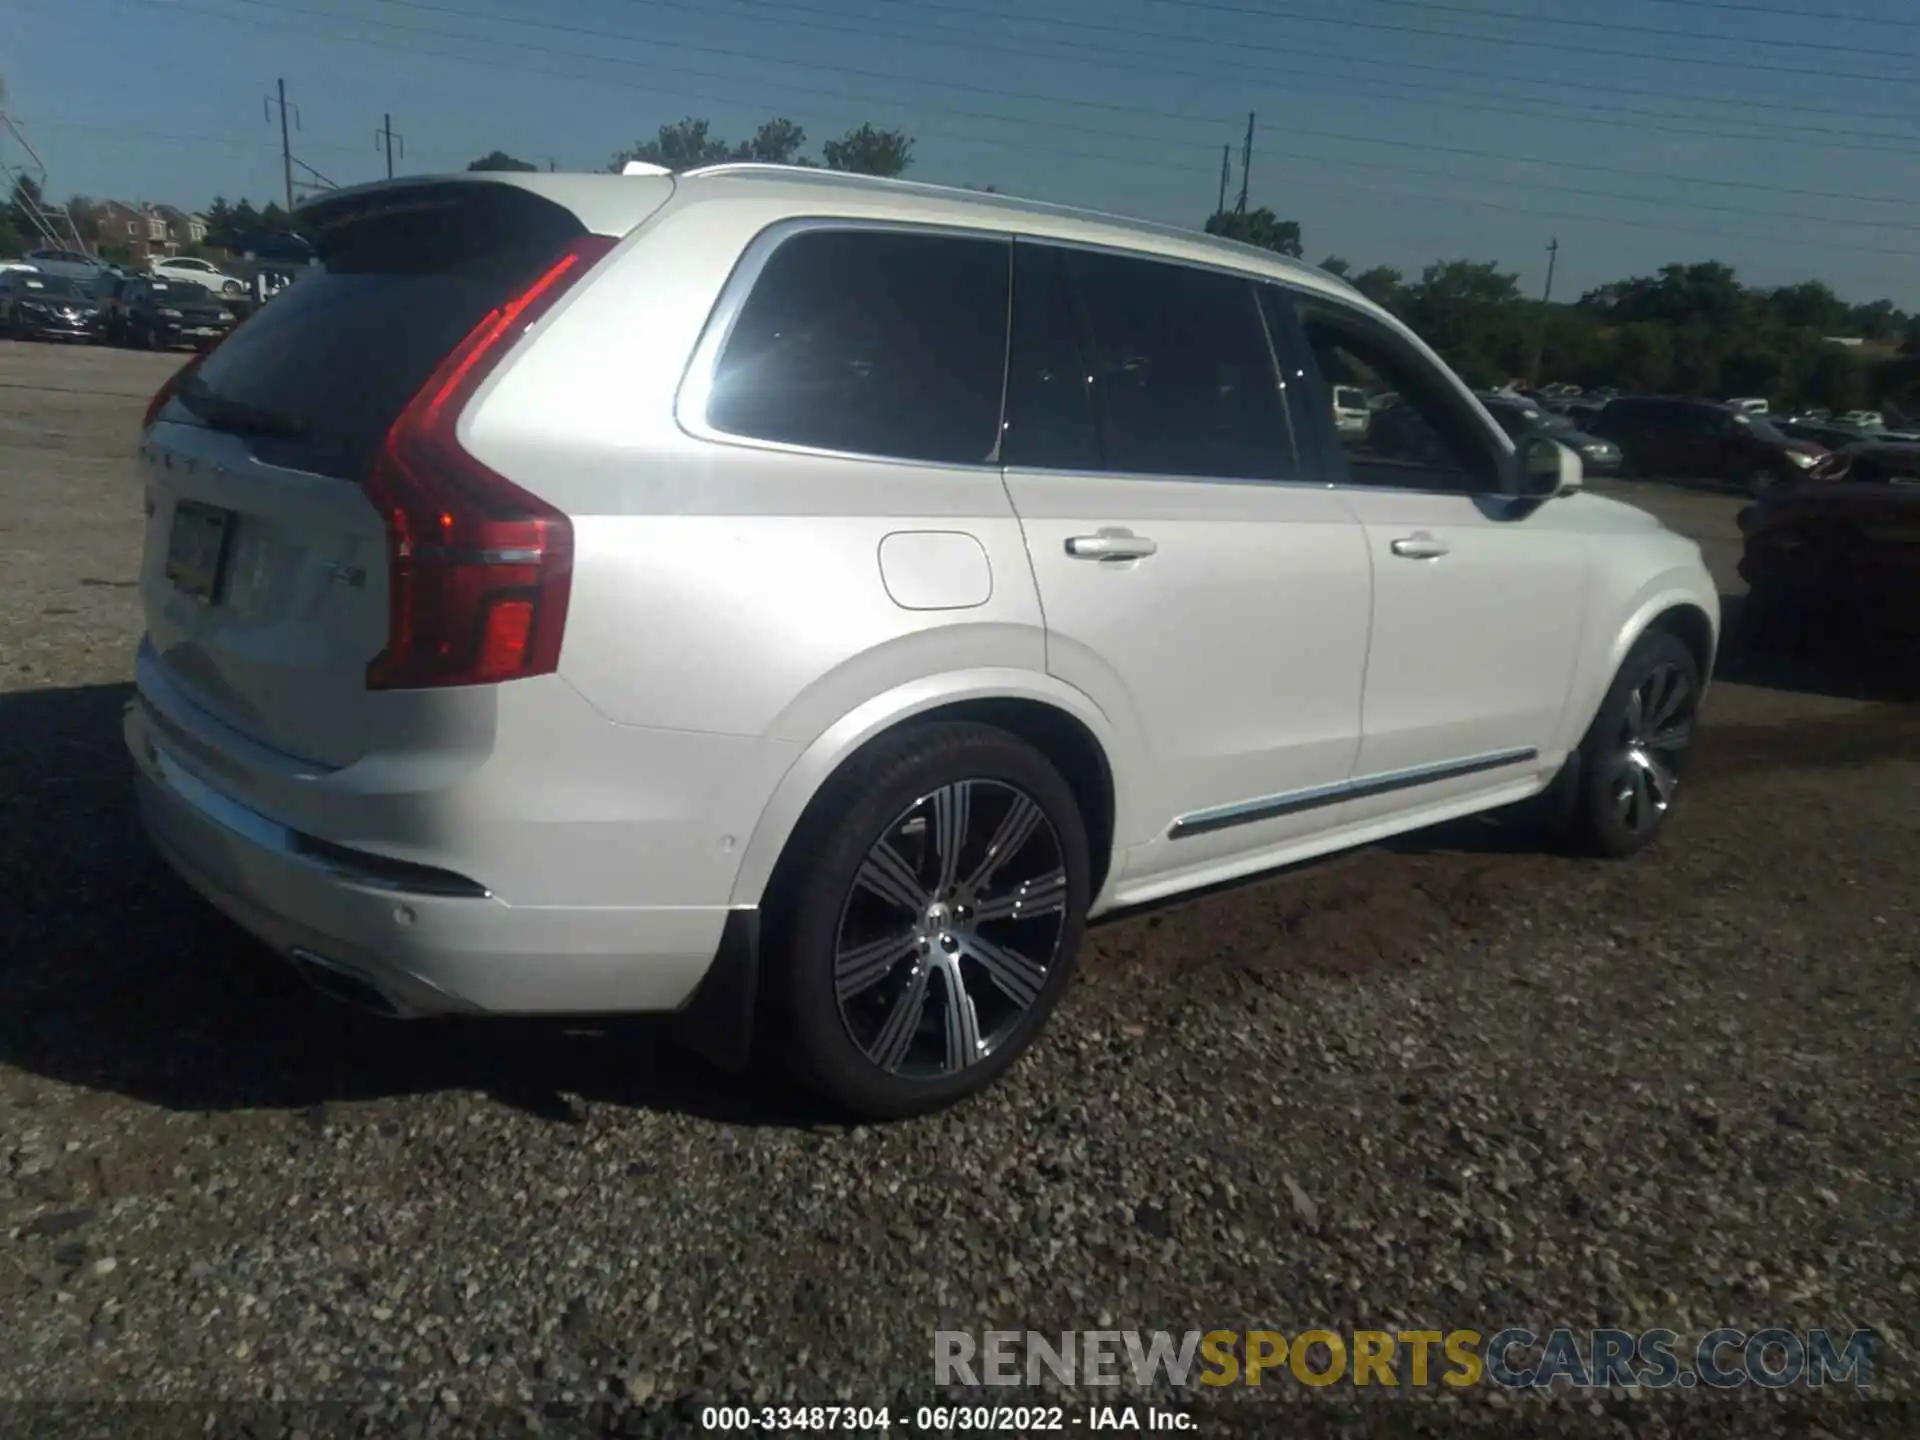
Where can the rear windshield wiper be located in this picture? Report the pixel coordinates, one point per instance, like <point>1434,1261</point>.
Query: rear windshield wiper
<point>237,416</point>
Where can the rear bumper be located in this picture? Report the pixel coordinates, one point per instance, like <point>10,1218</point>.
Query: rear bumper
<point>422,950</point>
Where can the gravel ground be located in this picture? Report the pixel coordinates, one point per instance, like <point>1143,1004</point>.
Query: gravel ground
<point>1430,1085</point>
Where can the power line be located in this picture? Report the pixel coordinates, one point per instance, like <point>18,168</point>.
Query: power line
<point>1827,16</point>
<point>1485,38</point>
<point>521,67</point>
<point>1292,130</point>
<point>1664,117</point>
<point>1396,65</point>
<point>785,14</point>
<point>1537,18</point>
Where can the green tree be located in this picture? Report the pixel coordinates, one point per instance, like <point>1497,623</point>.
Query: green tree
<point>1337,265</point>
<point>85,218</point>
<point>778,142</point>
<point>221,231</point>
<point>274,220</point>
<point>500,160</point>
<point>1383,285</point>
<point>1258,227</point>
<point>869,151</point>
<point>687,144</point>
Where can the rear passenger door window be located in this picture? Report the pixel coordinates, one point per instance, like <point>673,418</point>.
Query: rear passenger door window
<point>889,343</point>
<point>1141,367</point>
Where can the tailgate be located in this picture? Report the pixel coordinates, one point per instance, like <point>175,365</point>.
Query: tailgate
<point>265,582</point>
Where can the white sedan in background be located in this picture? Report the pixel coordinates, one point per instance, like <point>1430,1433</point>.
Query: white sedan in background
<point>188,270</point>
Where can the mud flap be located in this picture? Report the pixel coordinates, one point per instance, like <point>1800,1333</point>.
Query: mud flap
<point>717,1024</point>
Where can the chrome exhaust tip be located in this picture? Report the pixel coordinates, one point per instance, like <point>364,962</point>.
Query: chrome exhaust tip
<point>343,986</point>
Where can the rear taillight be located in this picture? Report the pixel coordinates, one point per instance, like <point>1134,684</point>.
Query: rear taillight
<point>172,382</point>
<point>478,570</point>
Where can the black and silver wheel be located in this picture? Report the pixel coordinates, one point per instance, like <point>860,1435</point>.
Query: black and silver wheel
<point>1636,750</point>
<point>934,920</point>
<point>1761,480</point>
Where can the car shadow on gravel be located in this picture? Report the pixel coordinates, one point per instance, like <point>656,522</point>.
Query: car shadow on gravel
<point>115,976</point>
<point>1839,670</point>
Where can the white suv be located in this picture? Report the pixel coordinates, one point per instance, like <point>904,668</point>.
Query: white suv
<point>801,601</point>
<point>189,270</point>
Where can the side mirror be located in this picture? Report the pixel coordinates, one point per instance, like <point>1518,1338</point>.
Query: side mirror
<point>1545,468</point>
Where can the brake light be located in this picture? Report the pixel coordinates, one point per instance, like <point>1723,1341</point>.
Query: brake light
<point>172,382</point>
<point>478,570</point>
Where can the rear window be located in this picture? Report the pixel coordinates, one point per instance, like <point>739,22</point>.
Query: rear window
<point>319,373</point>
<point>871,342</point>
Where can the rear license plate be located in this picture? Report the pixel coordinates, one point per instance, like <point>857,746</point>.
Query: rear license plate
<point>197,549</point>
<point>203,330</point>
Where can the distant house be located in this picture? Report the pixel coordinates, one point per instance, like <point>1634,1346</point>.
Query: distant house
<point>145,231</point>
<point>184,227</point>
<point>139,230</point>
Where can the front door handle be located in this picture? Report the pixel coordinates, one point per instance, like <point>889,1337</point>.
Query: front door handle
<point>1419,547</point>
<point>1111,544</point>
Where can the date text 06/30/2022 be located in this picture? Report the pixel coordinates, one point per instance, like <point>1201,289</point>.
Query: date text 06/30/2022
<point>943,1419</point>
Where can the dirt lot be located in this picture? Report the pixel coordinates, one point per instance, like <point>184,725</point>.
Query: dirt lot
<point>1430,1085</point>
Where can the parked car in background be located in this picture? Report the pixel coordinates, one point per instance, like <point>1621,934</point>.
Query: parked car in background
<point>1703,440</point>
<point>1521,418</point>
<point>151,314</point>
<point>1829,434</point>
<point>831,591</point>
<point>1833,568</point>
<point>1749,405</point>
<point>1880,460</point>
<point>1864,419</point>
<point>38,306</point>
<point>194,271</point>
<point>69,264</point>
<point>1350,410</point>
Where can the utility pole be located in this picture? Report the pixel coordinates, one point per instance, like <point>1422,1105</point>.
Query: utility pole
<point>1246,166</point>
<point>286,143</point>
<point>1546,299</point>
<point>1226,172</point>
<point>384,135</point>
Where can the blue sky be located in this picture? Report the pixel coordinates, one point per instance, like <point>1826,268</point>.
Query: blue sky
<point>1397,132</point>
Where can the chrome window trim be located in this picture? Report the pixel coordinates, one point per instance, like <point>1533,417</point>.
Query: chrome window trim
<point>1292,802</point>
<point>696,384</point>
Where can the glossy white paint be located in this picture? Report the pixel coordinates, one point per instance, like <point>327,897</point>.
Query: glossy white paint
<point>745,617</point>
<point>935,570</point>
<point>1237,650</point>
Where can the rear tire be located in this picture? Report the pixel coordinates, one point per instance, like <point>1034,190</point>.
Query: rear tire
<point>929,919</point>
<point>1629,766</point>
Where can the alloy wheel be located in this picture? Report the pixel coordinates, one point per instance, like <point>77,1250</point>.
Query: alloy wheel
<point>950,929</point>
<point>1655,732</point>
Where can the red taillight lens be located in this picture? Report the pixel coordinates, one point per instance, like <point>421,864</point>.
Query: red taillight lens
<point>478,570</point>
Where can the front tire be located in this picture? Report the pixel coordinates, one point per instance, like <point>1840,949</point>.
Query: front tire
<point>931,919</point>
<point>1635,752</point>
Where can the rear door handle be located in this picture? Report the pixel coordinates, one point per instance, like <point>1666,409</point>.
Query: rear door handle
<point>1419,547</point>
<point>1111,544</point>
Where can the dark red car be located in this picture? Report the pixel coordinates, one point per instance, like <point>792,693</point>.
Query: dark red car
<point>1702,440</point>
<point>1834,564</point>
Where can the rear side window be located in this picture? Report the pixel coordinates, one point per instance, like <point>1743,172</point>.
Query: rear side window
<point>1168,364</point>
<point>871,342</point>
<point>319,373</point>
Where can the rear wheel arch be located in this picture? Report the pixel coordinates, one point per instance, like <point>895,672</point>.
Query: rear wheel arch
<point>1070,742</point>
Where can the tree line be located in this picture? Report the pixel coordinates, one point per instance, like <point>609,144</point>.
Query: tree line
<point>690,143</point>
<point>1688,329</point>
